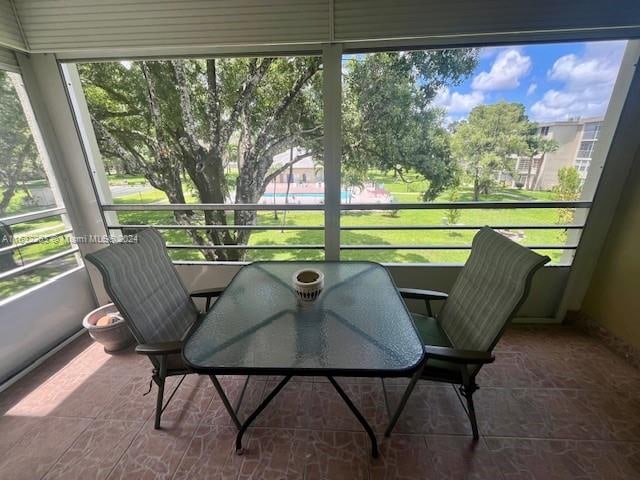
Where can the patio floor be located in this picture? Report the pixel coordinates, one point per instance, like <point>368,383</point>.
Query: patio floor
<point>556,404</point>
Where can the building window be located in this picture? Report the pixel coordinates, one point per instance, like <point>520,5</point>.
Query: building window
<point>591,131</point>
<point>586,149</point>
<point>523,164</point>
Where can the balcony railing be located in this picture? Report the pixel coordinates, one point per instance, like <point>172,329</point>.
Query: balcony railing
<point>349,207</point>
<point>48,259</point>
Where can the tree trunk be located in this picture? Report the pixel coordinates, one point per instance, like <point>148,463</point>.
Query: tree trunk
<point>476,188</point>
<point>212,188</point>
<point>286,197</point>
<point>7,262</point>
<point>247,191</point>
<point>7,195</point>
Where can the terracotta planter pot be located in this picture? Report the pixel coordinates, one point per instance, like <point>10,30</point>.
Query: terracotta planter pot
<point>114,335</point>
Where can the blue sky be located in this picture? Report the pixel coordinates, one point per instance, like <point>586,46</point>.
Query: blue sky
<point>554,82</point>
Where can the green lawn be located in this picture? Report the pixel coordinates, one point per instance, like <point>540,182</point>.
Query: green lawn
<point>127,180</point>
<point>401,192</point>
<point>377,237</point>
<point>34,277</point>
<point>24,232</point>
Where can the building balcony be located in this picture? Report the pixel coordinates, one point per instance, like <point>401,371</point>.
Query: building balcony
<point>297,131</point>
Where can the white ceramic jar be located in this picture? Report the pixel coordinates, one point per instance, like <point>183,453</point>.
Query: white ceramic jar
<point>308,284</point>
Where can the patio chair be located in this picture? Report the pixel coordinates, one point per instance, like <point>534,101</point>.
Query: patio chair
<point>144,284</point>
<point>488,292</point>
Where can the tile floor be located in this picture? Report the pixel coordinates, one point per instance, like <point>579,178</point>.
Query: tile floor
<point>556,404</point>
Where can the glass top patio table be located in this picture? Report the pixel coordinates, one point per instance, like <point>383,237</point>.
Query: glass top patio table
<point>358,326</point>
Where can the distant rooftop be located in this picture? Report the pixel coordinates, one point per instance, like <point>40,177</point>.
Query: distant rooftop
<point>571,121</point>
<point>284,157</point>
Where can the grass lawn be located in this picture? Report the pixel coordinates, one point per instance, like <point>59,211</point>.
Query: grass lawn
<point>24,232</point>
<point>368,237</point>
<point>35,228</point>
<point>402,193</point>
<point>127,180</point>
<point>34,277</point>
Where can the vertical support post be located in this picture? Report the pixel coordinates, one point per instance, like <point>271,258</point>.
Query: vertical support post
<point>332,93</point>
<point>85,130</point>
<point>616,149</point>
<point>46,89</point>
<point>23,97</point>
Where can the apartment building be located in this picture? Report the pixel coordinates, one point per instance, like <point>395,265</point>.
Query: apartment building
<point>576,140</point>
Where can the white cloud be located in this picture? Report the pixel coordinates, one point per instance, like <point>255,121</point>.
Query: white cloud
<point>532,89</point>
<point>459,103</point>
<point>577,71</point>
<point>586,83</point>
<point>565,104</point>
<point>505,73</point>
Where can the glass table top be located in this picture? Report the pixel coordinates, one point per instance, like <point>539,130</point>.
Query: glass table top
<point>358,325</point>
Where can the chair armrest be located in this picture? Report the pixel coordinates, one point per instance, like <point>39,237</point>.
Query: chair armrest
<point>422,294</point>
<point>163,348</point>
<point>208,293</point>
<point>458,356</point>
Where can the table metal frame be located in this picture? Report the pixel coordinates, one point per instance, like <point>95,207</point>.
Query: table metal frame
<point>414,373</point>
<point>242,426</point>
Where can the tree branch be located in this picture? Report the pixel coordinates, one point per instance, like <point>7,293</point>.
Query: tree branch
<point>256,73</point>
<point>112,92</point>
<point>186,110</point>
<point>110,143</point>
<point>277,143</point>
<point>161,150</point>
<point>105,114</point>
<point>213,103</point>
<point>286,102</point>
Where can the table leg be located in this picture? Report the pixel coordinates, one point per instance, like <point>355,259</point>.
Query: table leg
<point>403,401</point>
<point>361,419</point>
<point>233,413</point>
<point>257,412</point>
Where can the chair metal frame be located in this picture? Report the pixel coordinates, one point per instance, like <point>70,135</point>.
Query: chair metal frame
<point>469,361</point>
<point>161,372</point>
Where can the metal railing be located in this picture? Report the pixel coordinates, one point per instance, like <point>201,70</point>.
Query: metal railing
<point>30,217</point>
<point>35,241</point>
<point>346,208</point>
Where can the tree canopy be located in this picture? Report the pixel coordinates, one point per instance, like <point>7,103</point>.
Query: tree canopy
<point>165,117</point>
<point>162,118</point>
<point>490,139</point>
<point>389,120</point>
<point>567,190</point>
<point>18,153</point>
